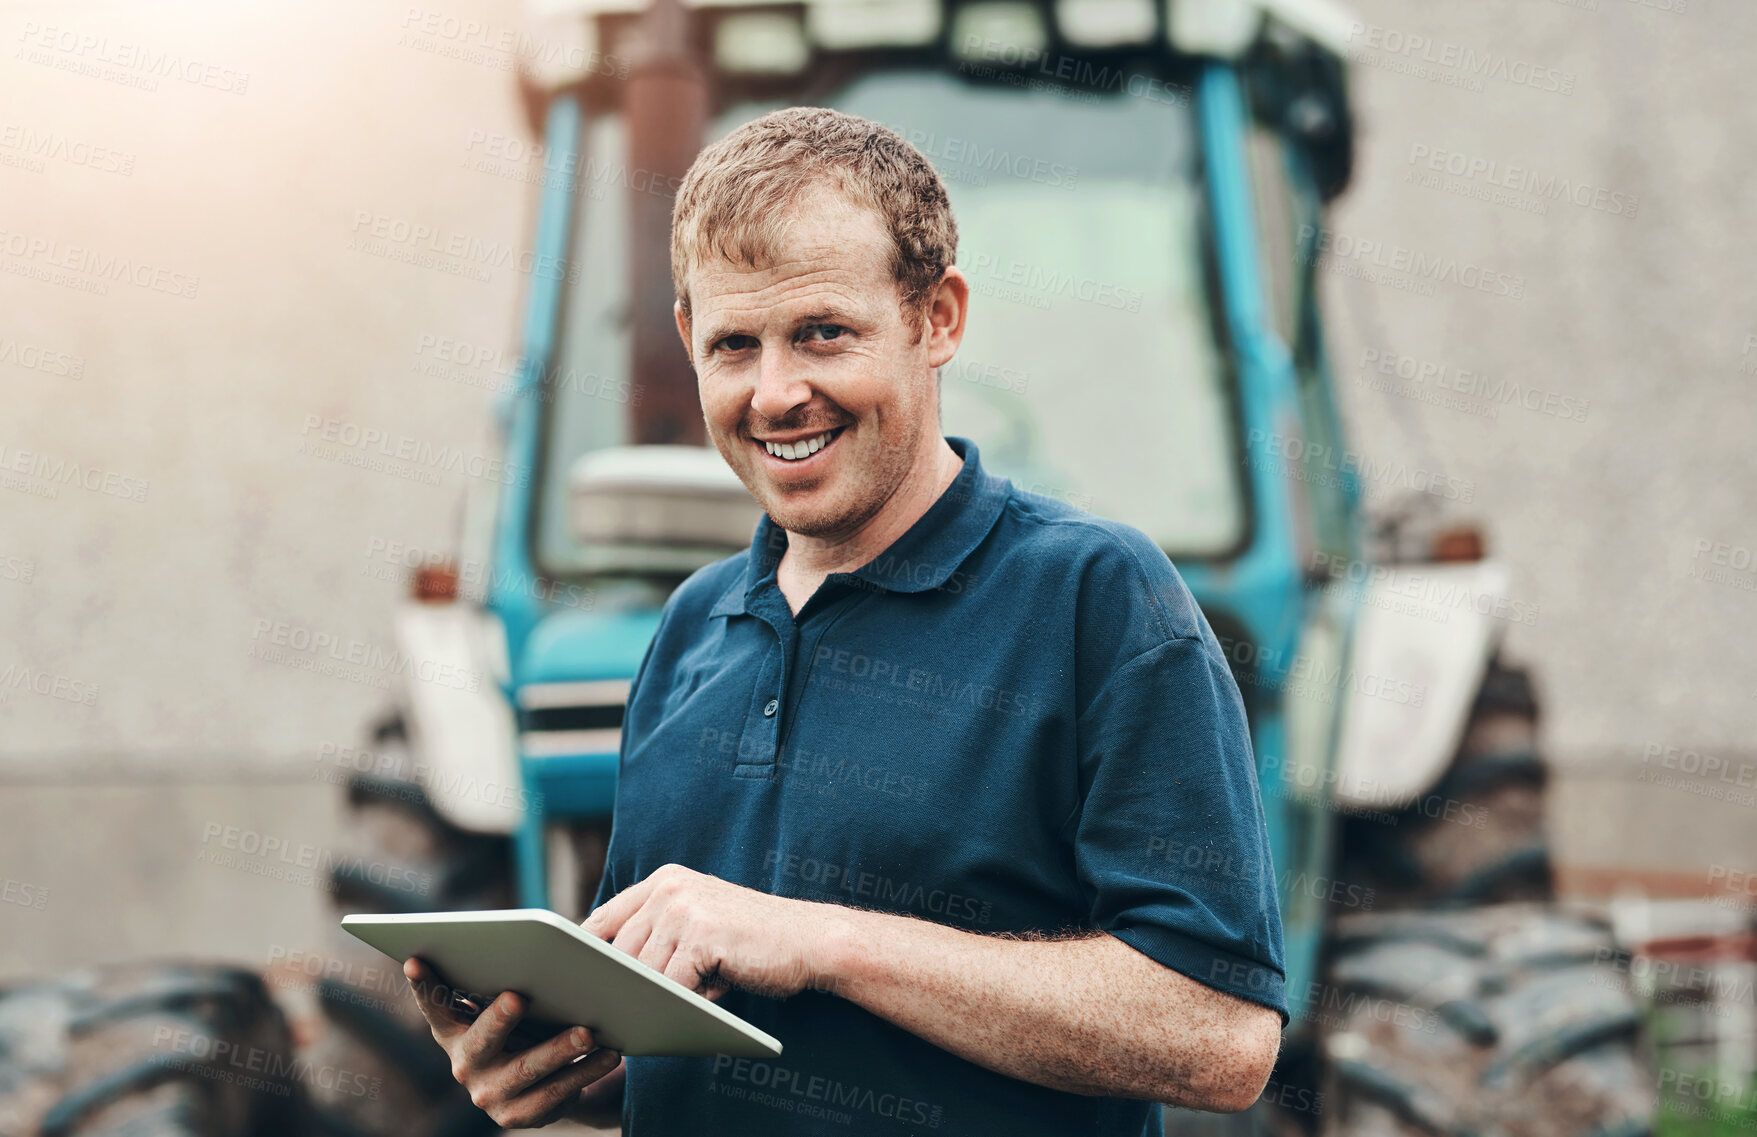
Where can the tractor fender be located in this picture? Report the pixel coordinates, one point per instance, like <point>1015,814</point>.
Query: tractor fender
<point>460,725</point>
<point>1423,638</point>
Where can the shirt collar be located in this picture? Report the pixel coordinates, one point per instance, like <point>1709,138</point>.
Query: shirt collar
<point>922,559</point>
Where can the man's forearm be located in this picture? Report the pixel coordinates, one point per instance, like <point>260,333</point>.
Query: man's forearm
<point>1087,1015</point>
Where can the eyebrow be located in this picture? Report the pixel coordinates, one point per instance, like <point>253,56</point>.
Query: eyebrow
<point>826,316</point>
<point>719,332</point>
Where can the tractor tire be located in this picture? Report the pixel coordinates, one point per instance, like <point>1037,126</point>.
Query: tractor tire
<point>1499,1021</point>
<point>149,1050</point>
<point>406,857</point>
<point>357,1012</point>
<point>1477,837</point>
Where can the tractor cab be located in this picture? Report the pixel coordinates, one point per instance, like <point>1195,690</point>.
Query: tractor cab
<point>1131,182</point>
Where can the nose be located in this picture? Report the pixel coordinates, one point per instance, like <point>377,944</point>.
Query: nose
<point>780,386</point>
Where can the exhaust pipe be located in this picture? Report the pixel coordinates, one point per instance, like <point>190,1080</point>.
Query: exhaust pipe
<point>666,109</point>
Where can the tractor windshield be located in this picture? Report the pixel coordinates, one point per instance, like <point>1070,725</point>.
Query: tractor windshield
<point>1089,370</point>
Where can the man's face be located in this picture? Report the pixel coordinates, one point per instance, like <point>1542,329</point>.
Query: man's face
<point>811,356</point>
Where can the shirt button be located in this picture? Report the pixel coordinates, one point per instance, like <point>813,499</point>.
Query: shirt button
<point>770,708</point>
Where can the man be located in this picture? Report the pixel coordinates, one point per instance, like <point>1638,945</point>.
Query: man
<point>899,784</point>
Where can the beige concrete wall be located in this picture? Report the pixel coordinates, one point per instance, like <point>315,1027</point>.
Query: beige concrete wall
<point>253,193</point>
<point>1645,319</point>
<point>247,179</point>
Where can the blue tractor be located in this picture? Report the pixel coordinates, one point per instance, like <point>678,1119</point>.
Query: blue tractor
<point>1140,188</point>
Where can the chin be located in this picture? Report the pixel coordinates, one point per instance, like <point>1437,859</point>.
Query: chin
<point>826,520</point>
<point>805,522</point>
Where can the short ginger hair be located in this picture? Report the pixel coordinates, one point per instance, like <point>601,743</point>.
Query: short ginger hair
<point>734,201</point>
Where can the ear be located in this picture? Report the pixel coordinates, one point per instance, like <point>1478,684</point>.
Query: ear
<point>683,331</point>
<point>946,310</point>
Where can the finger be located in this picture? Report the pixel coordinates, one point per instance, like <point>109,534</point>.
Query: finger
<point>433,1000</point>
<point>529,1067</point>
<point>486,1037</point>
<point>542,1101</point>
<point>633,937</point>
<point>685,967</point>
<point>657,952</point>
<point>609,917</point>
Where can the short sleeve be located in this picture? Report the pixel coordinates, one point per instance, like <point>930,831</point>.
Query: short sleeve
<point>1171,846</point>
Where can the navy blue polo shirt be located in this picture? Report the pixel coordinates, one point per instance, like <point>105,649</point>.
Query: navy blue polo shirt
<point>1015,719</point>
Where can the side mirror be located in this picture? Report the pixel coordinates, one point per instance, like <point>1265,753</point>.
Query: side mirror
<point>1301,92</point>
<point>665,496</point>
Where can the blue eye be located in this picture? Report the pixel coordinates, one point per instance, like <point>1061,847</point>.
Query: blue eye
<point>822,332</point>
<point>737,343</point>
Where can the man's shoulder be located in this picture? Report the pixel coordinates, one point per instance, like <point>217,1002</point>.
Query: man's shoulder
<point>1107,563</point>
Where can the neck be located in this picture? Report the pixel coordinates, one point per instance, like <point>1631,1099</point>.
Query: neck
<point>808,560</point>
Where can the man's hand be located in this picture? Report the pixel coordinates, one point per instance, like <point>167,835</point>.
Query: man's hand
<point>710,935</point>
<point>518,1088</point>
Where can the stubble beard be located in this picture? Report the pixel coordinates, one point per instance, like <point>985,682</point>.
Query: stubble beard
<point>835,519</point>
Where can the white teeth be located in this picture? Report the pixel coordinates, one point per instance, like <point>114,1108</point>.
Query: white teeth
<point>793,451</point>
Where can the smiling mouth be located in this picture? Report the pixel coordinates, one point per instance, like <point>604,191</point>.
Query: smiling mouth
<point>804,448</point>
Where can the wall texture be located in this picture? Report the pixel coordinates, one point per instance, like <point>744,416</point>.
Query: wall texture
<point>213,280</point>
<point>281,184</point>
<point>1603,417</point>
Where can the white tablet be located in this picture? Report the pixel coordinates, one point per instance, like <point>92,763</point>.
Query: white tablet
<point>571,977</point>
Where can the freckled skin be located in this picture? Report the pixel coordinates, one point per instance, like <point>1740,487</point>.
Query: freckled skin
<point>816,340</point>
